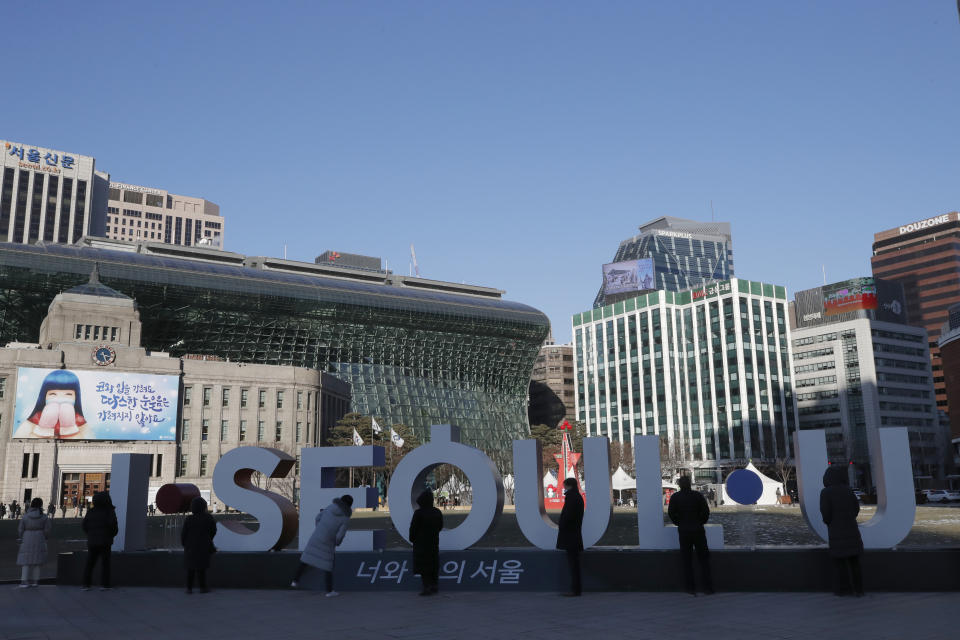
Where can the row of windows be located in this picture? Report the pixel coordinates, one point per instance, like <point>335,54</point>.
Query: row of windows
<point>812,382</point>
<point>96,332</point>
<point>895,348</point>
<point>824,337</point>
<point>902,364</point>
<point>816,353</point>
<point>815,366</point>
<point>818,395</point>
<point>905,406</point>
<point>302,399</point>
<point>897,335</point>
<point>242,435</point>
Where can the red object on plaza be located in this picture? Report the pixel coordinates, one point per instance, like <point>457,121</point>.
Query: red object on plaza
<point>566,459</point>
<point>176,498</point>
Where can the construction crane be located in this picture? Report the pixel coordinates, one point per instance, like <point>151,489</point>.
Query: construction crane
<point>413,256</point>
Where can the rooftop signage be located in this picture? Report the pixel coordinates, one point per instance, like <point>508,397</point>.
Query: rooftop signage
<point>674,234</point>
<point>39,159</point>
<point>137,188</point>
<point>923,224</point>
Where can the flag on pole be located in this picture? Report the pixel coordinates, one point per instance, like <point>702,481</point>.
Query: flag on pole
<point>357,440</point>
<point>395,438</point>
<point>376,428</point>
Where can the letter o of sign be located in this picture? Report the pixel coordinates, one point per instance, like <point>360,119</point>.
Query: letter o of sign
<point>409,480</point>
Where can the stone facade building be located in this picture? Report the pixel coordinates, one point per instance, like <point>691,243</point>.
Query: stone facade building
<point>220,404</point>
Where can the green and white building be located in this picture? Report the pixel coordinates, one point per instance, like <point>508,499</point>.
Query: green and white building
<point>707,369</point>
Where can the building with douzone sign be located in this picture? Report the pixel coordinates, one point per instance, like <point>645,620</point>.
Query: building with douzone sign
<point>415,351</point>
<point>136,213</point>
<point>49,195</point>
<point>858,367</point>
<point>682,254</point>
<point>707,369</point>
<point>924,256</point>
<point>88,389</point>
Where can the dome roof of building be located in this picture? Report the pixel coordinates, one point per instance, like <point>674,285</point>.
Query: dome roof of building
<point>96,288</point>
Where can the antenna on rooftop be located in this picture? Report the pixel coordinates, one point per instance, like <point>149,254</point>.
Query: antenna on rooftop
<point>284,252</point>
<point>413,257</point>
<point>823,268</point>
<point>711,211</point>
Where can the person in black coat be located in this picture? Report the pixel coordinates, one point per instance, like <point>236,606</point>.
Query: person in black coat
<point>689,511</point>
<point>100,525</point>
<point>425,529</point>
<point>569,532</point>
<point>839,508</point>
<point>197,540</point>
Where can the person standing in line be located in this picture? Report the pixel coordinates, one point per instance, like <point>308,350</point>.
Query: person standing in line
<point>569,532</point>
<point>425,529</point>
<point>197,540</point>
<point>839,508</point>
<point>52,511</point>
<point>689,511</point>
<point>33,533</point>
<point>63,509</point>
<point>100,525</point>
<point>331,526</point>
<point>3,510</point>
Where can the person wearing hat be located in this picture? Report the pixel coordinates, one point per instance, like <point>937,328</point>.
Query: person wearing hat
<point>331,527</point>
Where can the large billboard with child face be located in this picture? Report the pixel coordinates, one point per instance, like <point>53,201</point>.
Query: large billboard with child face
<point>95,405</point>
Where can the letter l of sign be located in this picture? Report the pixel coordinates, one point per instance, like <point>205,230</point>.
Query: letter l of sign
<point>534,522</point>
<point>651,531</point>
<point>892,473</point>
<point>129,481</point>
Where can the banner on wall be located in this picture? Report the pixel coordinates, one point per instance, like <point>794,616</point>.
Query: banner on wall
<point>95,405</point>
<point>631,275</point>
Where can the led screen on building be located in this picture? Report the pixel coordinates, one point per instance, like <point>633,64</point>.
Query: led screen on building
<point>95,405</point>
<point>850,295</point>
<point>632,275</point>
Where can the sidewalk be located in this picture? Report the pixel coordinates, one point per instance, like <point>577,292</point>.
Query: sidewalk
<point>66,613</point>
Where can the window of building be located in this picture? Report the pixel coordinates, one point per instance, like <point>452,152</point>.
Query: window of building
<point>206,396</point>
<point>187,395</point>
<point>203,464</point>
<point>224,429</point>
<point>243,398</point>
<point>299,431</point>
<point>243,430</point>
<point>262,401</point>
<point>133,197</point>
<point>204,429</point>
<point>3,387</point>
<point>159,465</point>
<point>260,430</point>
<point>114,195</point>
<point>299,399</point>
<point>154,200</point>
<point>279,399</point>
<point>182,466</point>
<point>278,435</point>
<point>225,397</point>
<point>185,429</point>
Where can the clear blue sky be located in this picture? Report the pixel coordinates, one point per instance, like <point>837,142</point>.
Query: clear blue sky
<point>514,143</point>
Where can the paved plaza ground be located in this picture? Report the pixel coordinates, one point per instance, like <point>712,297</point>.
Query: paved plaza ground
<point>66,613</point>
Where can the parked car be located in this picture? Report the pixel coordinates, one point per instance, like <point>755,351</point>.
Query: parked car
<point>953,496</point>
<point>936,495</point>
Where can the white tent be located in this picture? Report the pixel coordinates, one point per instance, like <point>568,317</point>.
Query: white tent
<point>770,486</point>
<point>621,480</point>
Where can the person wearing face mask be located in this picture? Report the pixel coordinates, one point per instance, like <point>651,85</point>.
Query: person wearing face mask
<point>58,412</point>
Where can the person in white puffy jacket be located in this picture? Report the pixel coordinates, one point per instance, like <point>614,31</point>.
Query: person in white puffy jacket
<point>33,532</point>
<point>331,527</point>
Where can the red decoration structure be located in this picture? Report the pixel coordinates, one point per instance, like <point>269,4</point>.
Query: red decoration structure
<point>566,459</point>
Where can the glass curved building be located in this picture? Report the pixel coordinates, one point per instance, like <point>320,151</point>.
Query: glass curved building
<point>416,351</point>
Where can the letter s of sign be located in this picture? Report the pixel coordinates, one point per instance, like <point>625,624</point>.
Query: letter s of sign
<point>534,522</point>
<point>892,471</point>
<point>409,480</point>
<point>318,470</point>
<point>652,533</point>
<point>277,515</point>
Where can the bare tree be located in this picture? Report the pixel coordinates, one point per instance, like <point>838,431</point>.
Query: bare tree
<point>672,460</point>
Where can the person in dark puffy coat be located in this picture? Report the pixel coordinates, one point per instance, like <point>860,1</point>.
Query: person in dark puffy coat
<point>197,540</point>
<point>839,508</point>
<point>689,511</point>
<point>570,532</point>
<point>425,529</point>
<point>100,525</point>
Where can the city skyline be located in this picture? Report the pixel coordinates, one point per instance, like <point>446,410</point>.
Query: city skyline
<point>500,140</point>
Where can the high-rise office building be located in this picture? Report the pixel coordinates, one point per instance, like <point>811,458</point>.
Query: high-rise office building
<point>552,389</point>
<point>49,195</point>
<point>136,213</point>
<point>949,345</point>
<point>707,369</point>
<point>670,254</point>
<point>858,367</point>
<point>924,257</point>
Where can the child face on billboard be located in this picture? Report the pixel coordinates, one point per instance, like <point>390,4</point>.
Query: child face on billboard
<point>63,396</point>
